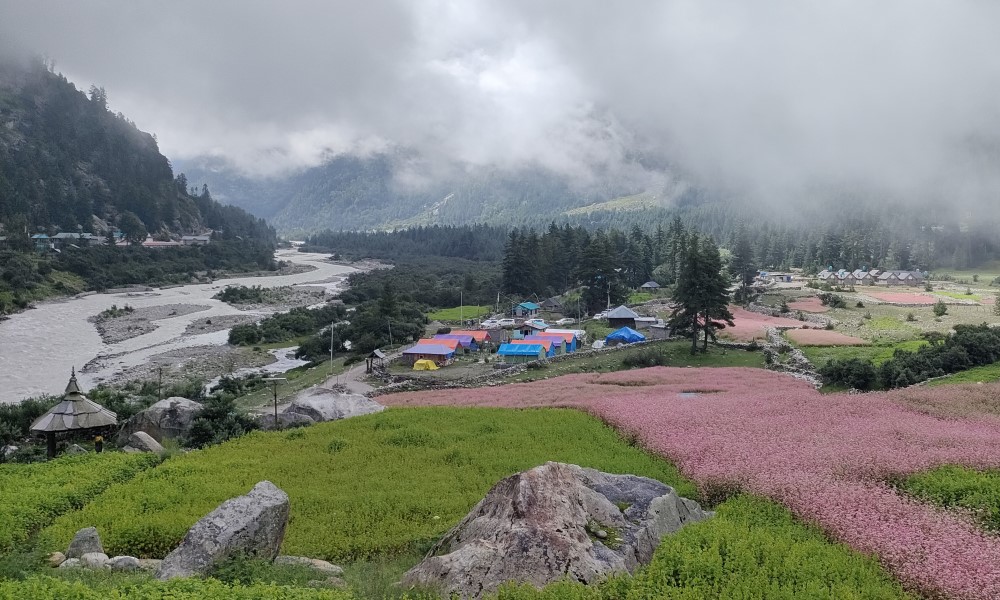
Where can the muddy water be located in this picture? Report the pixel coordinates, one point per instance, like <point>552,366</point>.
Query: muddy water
<point>38,347</point>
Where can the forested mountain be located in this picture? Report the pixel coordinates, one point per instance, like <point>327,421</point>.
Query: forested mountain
<point>351,193</point>
<point>68,164</point>
<point>65,158</point>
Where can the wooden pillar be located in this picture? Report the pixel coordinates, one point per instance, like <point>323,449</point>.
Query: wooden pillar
<point>50,444</point>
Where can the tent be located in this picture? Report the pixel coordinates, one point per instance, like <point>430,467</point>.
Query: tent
<point>518,353</point>
<point>625,335</point>
<point>548,345</point>
<point>425,365</point>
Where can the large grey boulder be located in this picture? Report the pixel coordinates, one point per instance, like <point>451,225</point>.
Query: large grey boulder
<point>94,560</point>
<point>140,441</point>
<point>321,404</point>
<point>167,419</point>
<point>552,522</point>
<point>285,420</point>
<point>251,525</point>
<point>84,542</point>
<point>123,563</point>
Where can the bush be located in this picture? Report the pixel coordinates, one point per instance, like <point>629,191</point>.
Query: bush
<point>910,317</point>
<point>647,357</point>
<point>860,304</point>
<point>940,308</point>
<point>832,300</point>
<point>32,496</point>
<point>40,587</point>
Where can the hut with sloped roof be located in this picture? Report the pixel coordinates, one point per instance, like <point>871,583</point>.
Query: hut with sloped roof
<point>75,413</point>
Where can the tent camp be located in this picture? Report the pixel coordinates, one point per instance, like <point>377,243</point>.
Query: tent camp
<point>569,339</point>
<point>625,335</point>
<point>425,365</point>
<point>467,342</point>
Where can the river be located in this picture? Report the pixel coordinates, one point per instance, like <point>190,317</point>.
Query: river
<point>38,347</point>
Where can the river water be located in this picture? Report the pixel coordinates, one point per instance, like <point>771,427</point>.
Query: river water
<point>38,347</point>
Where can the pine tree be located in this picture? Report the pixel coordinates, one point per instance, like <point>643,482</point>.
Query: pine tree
<point>701,293</point>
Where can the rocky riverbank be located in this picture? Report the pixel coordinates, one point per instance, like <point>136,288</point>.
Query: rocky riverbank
<point>120,324</point>
<point>196,362</point>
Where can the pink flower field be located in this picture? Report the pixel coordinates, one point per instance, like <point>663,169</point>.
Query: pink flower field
<point>750,325</point>
<point>826,457</point>
<point>822,337</point>
<point>903,297</point>
<point>811,304</point>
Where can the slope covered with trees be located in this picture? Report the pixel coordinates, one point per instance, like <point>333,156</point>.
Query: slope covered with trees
<point>68,164</point>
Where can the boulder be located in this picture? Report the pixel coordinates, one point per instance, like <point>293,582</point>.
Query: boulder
<point>542,525</point>
<point>321,404</point>
<point>150,564</point>
<point>8,451</point>
<point>94,560</point>
<point>167,419</point>
<point>285,420</point>
<point>140,441</point>
<point>85,541</point>
<point>56,558</point>
<point>313,563</point>
<point>123,563</point>
<point>250,525</point>
<point>71,563</point>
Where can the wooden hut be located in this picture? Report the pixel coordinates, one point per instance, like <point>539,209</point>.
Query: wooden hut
<point>74,413</point>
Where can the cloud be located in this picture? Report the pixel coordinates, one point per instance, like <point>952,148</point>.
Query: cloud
<point>769,99</point>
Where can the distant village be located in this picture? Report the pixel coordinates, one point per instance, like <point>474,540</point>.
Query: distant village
<point>845,278</point>
<point>57,242</point>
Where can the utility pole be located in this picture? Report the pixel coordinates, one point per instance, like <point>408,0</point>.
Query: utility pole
<point>274,387</point>
<point>461,307</point>
<point>331,348</point>
<point>390,330</point>
<point>159,383</point>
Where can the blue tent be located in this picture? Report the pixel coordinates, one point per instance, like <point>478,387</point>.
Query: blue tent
<point>625,335</point>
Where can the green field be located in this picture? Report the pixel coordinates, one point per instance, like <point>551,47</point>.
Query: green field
<point>376,491</point>
<point>983,374</point>
<point>33,495</point>
<point>820,355</point>
<point>960,295</point>
<point>960,487</point>
<point>640,297</point>
<point>361,488</point>
<point>459,312</point>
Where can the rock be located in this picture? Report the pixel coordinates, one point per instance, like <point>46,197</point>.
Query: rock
<point>56,558</point>
<point>140,441</point>
<point>94,560</point>
<point>149,564</point>
<point>321,404</point>
<point>285,420</point>
<point>124,563</point>
<point>8,451</point>
<point>252,525</point>
<point>536,527</point>
<point>312,563</point>
<point>86,540</point>
<point>167,419</point>
<point>76,449</point>
<point>71,563</point>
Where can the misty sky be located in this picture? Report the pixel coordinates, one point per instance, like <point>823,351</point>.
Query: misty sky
<point>767,97</point>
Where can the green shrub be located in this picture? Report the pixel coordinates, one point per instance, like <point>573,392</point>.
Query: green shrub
<point>32,496</point>
<point>135,587</point>
<point>940,308</point>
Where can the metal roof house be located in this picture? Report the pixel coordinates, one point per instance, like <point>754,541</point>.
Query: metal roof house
<point>439,353</point>
<point>521,353</point>
<point>622,316</point>
<point>526,309</point>
<point>650,285</point>
<point>75,413</point>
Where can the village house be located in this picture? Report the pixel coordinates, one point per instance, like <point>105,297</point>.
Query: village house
<point>526,310</point>
<point>894,278</point>
<point>649,286</point>
<point>440,354</point>
<point>196,240</point>
<point>552,304</point>
<point>521,353</point>
<point>622,316</point>
<point>65,239</point>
